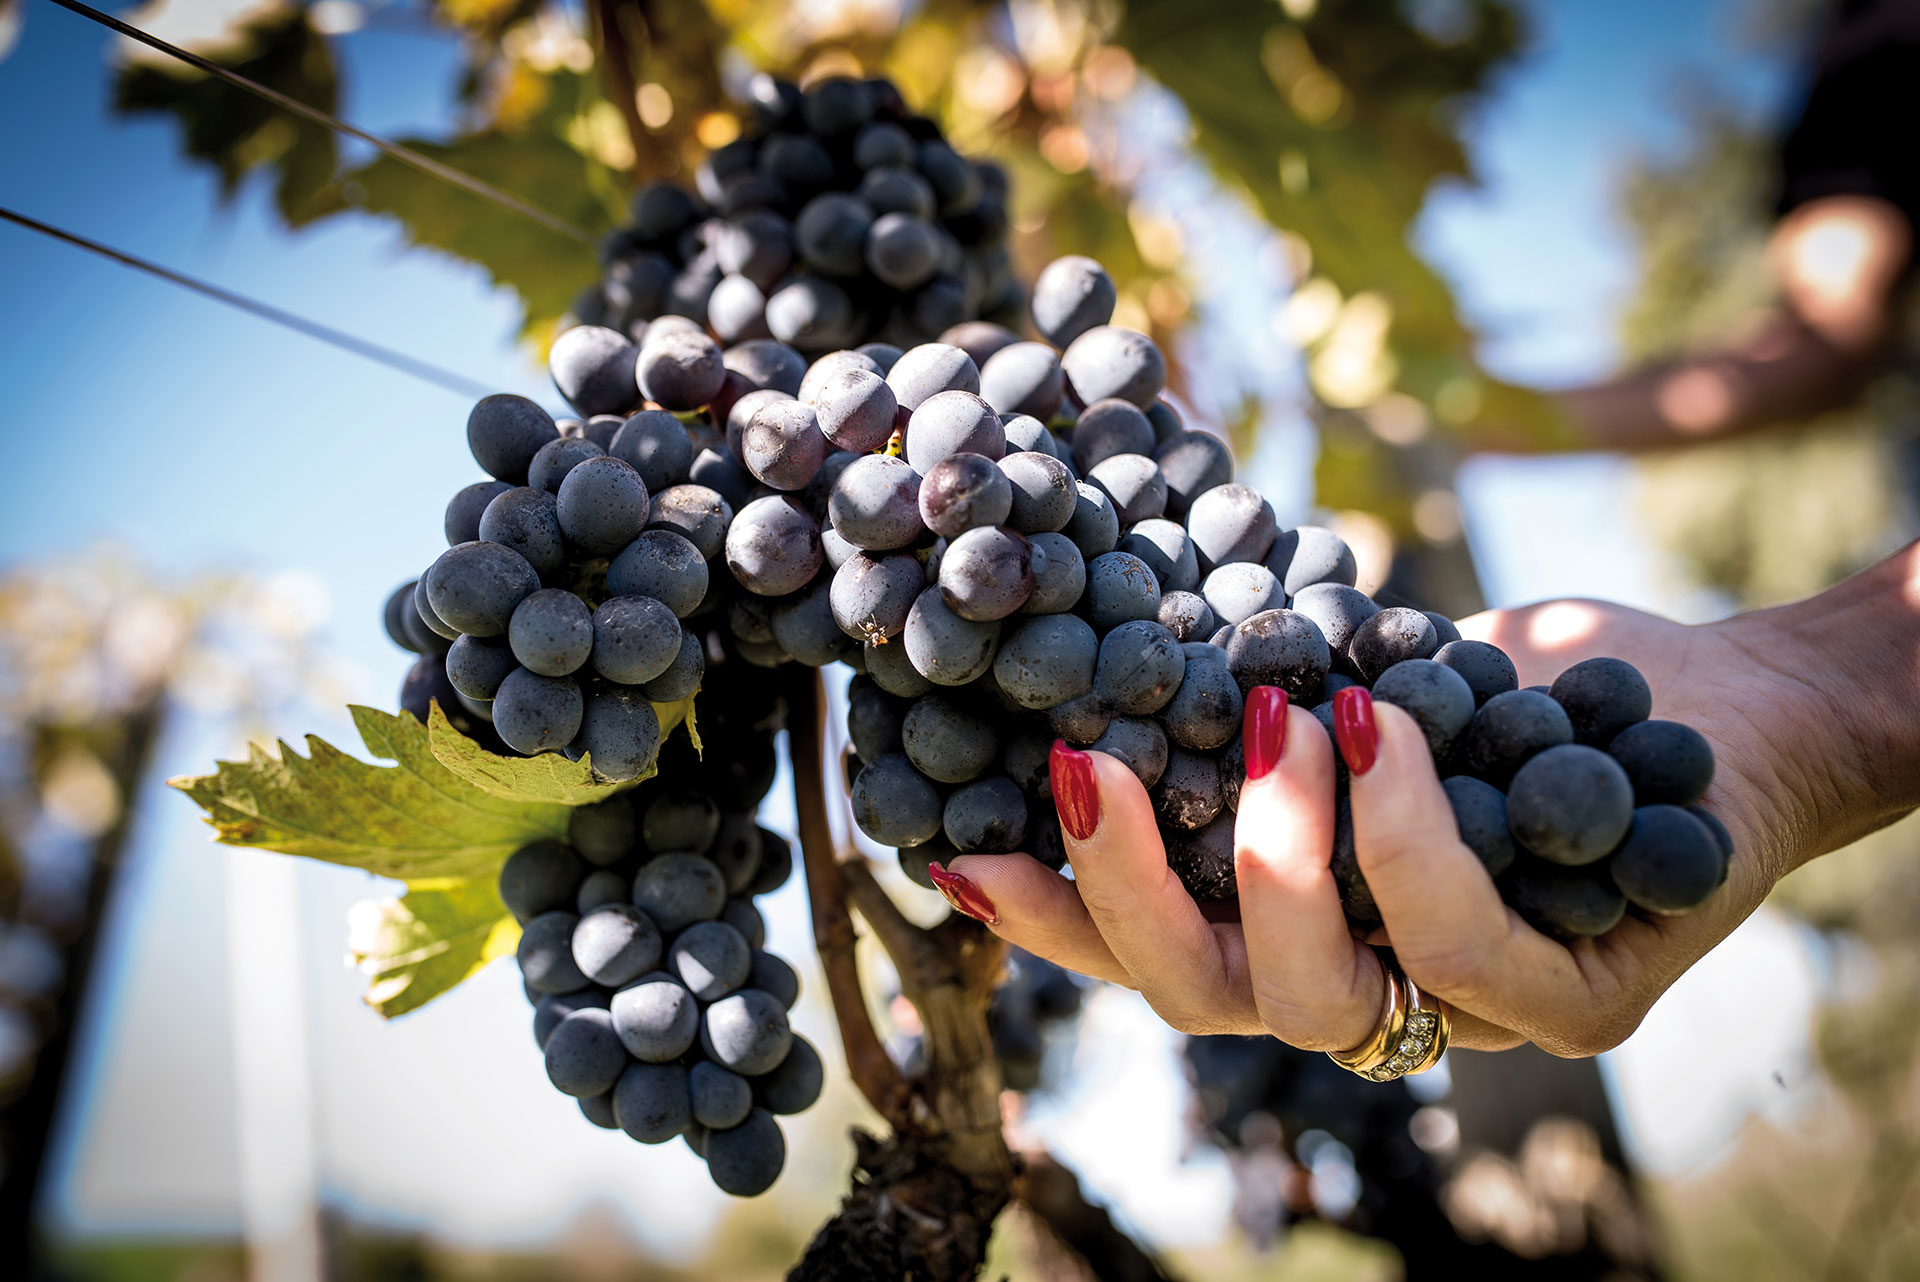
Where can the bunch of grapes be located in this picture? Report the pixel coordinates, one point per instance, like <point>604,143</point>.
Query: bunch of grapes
<point>1045,552</point>
<point>841,217</point>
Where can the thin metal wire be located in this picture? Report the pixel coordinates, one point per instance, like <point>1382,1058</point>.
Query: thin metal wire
<point>420,369</point>
<point>405,155</point>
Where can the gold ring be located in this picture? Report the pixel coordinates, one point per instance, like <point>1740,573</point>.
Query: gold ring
<point>1411,1036</point>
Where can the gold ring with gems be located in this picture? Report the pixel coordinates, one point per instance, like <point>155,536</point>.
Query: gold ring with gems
<point>1410,1037</point>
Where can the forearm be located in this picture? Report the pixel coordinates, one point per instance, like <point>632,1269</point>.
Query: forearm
<point>1848,717</point>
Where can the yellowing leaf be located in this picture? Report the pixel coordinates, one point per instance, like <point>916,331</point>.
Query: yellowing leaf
<point>418,946</point>
<point>413,820</point>
<point>546,779</point>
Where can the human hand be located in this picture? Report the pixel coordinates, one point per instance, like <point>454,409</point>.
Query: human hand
<point>1290,965</point>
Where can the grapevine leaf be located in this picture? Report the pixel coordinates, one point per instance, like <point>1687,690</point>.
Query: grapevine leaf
<point>435,936</point>
<point>413,820</point>
<point>546,779</point>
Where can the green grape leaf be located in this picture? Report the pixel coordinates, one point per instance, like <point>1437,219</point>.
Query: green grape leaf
<point>546,779</point>
<point>427,941</point>
<point>413,820</point>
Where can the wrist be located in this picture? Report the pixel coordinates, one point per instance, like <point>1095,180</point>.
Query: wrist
<point>1839,705</point>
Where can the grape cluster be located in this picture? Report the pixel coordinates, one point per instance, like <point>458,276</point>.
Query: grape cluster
<point>842,216</point>
<point>655,1002</point>
<point>1045,552</point>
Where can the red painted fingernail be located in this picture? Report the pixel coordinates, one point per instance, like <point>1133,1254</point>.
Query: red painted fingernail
<point>963,894</point>
<point>1353,729</point>
<point>1075,793</point>
<point>1264,733</point>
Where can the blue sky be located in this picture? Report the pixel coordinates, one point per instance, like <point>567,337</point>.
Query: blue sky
<point>203,439</point>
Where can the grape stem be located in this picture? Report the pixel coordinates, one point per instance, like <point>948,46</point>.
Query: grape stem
<point>871,1068</point>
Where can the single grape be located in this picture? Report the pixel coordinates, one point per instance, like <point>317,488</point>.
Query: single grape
<point>737,312</point>
<point>875,505</point>
<point>1120,586</point>
<point>615,945</point>
<point>1205,711</point>
<point>462,522</point>
<point>711,958</point>
<point>536,714</point>
<point>635,639</point>
<point>773,546</point>
<point>902,250</point>
<point>986,574</point>
<point>1443,628</point>
<point>620,731</point>
<point>1392,636</point>
<point>721,474</point>
<point>656,1018</point>
<point>891,668</point>
<point>593,368</point>
<point>774,977</point>
<point>651,1102</point>
<point>1138,744</point>
<point>870,596</point>
<point>1231,522</point>
<point>476,667</point>
<point>1338,611</point>
<point>1311,554</point>
<point>1140,667</point>
<point>746,1159</point>
<point>1023,378</point>
<point>948,423</point>
<point>988,816</point>
<point>809,313</point>
<point>475,587</point>
<point>1107,361</point>
<point>1203,859</point>
<point>1567,903</point>
<point>1134,484</point>
<point>603,831</point>
<point>944,647</point>
<point>1165,547</point>
<point>1094,527</point>
<point>894,804</point>
<point>1059,574</point>
<point>1570,804</point>
<point>1106,428</point>
<point>663,565</point>
<point>539,878</point>
<point>546,954</point>
<point>655,444</point>
<point>601,887</point>
<point>767,363</point>
<point>1044,496</point>
<point>505,432</point>
<point>895,189</point>
<point>794,1086</point>
<point>1237,591</point>
<point>873,723</point>
<point>1509,729</point>
<point>1487,669</point>
<point>1480,812</point>
<point>551,1008</point>
<point>682,821</point>
<point>1192,463</point>
<point>826,368</point>
<point>782,445</point>
<point>855,408</point>
<point>551,633</point>
<point>679,889</point>
<point>1668,763</point>
<point>1072,295</point>
<point>1602,697</point>
<point>555,459</point>
<point>1047,661</point>
<point>926,371</point>
<point>1189,794</point>
<point>696,513</point>
<point>1188,616</point>
<point>1081,721</point>
<point>963,492</point>
<point>805,628</point>
<point>946,742</point>
<point>1438,699</point>
<point>746,1031</point>
<point>1670,862</point>
<point>584,1055</point>
<point>1280,648</point>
